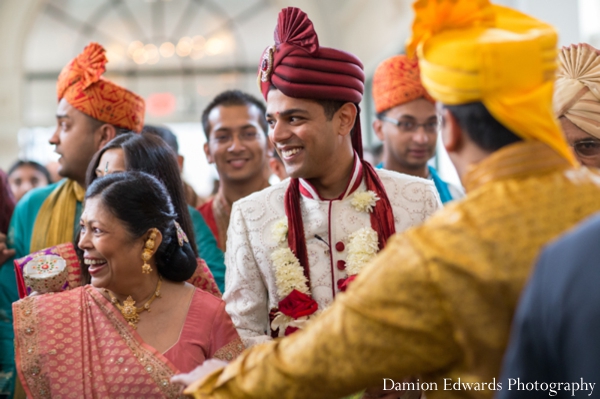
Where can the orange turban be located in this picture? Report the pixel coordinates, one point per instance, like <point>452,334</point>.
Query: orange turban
<point>82,85</point>
<point>397,80</point>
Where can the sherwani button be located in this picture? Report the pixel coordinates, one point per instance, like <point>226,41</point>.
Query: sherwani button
<point>340,246</point>
<point>341,264</point>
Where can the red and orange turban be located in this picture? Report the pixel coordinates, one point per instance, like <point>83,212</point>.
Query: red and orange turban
<point>396,81</point>
<point>82,85</point>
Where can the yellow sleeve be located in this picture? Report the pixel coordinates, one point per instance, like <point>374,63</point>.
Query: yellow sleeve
<point>389,324</point>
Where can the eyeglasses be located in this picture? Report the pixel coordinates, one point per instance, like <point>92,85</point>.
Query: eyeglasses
<point>587,148</point>
<point>411,127</point>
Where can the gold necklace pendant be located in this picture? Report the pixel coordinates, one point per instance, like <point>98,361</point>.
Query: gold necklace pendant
<point>130,312</point>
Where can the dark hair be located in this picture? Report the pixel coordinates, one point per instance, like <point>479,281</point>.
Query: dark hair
<point>142,202</point>
<point>150,154</point>
<point>330,107</point>
<point>34,165</point>
<point>231,98</point>
<point>167,135</point>
<point>482,127</point>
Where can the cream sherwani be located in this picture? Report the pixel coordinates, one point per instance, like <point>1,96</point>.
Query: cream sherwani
<point>250,289</point>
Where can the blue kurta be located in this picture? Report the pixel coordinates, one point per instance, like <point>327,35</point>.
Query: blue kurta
<point>208,249</point>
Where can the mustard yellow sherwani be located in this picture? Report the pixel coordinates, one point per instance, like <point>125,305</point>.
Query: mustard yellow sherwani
<point>438,300</point>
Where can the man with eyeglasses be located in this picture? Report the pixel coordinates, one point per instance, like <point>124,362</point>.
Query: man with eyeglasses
<point>236,132</point>
<point>577,101</point>
<point>407,122</point>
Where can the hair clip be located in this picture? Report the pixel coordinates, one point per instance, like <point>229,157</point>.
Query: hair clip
<point>181,237</point>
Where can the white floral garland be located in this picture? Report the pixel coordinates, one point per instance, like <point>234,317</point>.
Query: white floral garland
<point>362,247</point>
<point>289,275</point>
<point>364,201</point>
<point>280,230</point>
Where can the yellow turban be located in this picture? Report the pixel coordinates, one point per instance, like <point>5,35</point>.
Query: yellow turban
<point>471,50</point>
<point>577,88</point>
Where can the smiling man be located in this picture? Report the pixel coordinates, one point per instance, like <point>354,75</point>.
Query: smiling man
<point>292,247</point>
<point>236,134</point>
<point>407,122</point>
<point>91,111</point>
<point>577,101</point>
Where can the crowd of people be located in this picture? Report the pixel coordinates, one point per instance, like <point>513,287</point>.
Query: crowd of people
<point>346,279</point>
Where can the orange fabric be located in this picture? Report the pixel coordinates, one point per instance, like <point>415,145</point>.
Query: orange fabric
<point>82,85</point>
<point>396,81</point>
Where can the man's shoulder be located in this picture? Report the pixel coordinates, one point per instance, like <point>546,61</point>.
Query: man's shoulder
<point>576,247</point>
<point>264,194</point>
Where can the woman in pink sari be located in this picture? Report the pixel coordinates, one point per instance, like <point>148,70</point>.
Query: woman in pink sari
<point>138,323</point>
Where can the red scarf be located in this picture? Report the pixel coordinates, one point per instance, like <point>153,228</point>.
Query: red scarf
<point>382,217</point>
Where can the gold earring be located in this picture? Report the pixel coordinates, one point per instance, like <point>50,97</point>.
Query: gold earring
<point>147,253</point>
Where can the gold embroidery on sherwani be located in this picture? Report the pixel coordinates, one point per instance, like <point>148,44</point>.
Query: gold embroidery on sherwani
<point>517,160</point>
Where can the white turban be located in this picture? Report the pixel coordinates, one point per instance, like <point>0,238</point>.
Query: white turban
<point>577,88</point>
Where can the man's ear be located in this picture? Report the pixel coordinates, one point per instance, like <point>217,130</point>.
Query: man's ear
<point>377,124</point>
<point>104,134</point>
<point>346,116</point>
<point>452,134</point>
<point>209,157</point>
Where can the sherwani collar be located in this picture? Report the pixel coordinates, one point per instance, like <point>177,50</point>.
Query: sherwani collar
<point>514,161</point>
<point>309,191</point>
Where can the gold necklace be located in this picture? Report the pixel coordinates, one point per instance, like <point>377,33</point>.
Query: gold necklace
<point>129,310</point>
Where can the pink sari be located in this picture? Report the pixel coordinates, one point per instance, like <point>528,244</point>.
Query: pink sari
<point>76,344</point>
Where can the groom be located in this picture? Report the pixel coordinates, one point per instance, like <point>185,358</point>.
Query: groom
<point>294,246</point>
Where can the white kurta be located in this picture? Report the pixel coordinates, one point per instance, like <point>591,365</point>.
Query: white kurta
<point>250,289</point>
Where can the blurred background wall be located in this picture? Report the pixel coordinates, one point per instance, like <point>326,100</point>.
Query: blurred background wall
<point>178,54</point>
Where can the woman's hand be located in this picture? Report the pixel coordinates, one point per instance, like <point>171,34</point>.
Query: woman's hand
<point>199,372</point>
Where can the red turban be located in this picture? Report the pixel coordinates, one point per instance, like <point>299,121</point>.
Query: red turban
<point>298,67</point>
<point>396,81</point>
<point>81,84</point>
